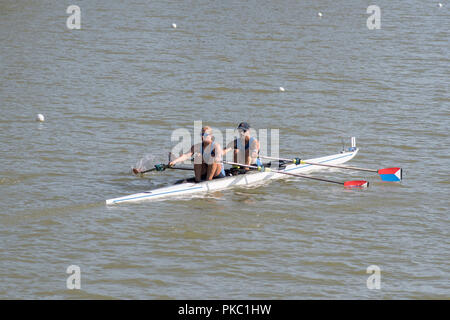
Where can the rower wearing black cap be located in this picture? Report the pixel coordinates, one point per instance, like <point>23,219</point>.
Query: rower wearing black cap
<point>246,148</point>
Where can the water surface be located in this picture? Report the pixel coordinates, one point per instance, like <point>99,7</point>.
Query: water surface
<point>116,89</point>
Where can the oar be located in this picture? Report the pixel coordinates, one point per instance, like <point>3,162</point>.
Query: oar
<point>347,184</point>
<point>386,174</point>
<point>159,167</point>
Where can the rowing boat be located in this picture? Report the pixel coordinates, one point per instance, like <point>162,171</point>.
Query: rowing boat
<point>252,177</point>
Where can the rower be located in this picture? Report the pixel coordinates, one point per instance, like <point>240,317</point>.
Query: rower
<point>246,148</point>
<point>207,157</point>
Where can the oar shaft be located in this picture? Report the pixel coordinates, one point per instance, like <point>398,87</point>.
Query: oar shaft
<point>179,168</point>
<point>283,172</point>
<point>307,177</point>
<point>322,164</point>
<point>337,166</point>
<point>161,167</point>
<point>272,158</point>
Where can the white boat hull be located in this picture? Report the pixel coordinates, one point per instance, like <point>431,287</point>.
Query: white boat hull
<point>228,182</point>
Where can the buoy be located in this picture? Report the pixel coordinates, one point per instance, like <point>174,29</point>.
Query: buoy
<point>40,118</point>
<point>281,89</point>
<point>440,5</point>
<point>174,25</point>
<point>320,14</point>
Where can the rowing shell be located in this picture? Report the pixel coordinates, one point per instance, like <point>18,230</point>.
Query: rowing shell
<point>249,178</point>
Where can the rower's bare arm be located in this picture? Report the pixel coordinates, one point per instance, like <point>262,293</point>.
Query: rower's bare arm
<point>229,147</point>
<point>182,158</point>
<point>254,149</point>
<point>219,152</point>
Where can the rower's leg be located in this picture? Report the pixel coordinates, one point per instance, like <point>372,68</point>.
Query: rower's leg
<point>240,157</point>
<point>213,170</point>
<point>198,167</point>
<point>248,159</point>
<point>200,171</point>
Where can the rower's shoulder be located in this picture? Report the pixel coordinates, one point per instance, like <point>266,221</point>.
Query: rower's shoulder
<point>254,141</point>
<point>217,145</point>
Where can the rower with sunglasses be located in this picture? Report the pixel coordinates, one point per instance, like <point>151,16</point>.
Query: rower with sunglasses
<point>207,157</point>
<point>246,148</point>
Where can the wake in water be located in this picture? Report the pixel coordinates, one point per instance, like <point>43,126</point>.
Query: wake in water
<point>145,163</point>
<point>149,161</point>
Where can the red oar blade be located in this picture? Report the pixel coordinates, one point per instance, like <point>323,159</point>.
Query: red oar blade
<point>391,174</point>
<point>356,184</point>
<point>135,171</point>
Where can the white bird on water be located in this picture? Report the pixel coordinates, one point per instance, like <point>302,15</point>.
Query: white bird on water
<point>174,25</point>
